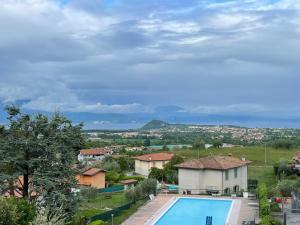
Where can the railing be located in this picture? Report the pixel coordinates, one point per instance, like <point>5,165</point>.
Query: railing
<point>116,188</point>
<point>106,216</point>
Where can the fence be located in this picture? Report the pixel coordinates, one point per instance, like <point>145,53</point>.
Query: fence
<point>108,215</point>
<point>252,184</point>
<point>112,189</point>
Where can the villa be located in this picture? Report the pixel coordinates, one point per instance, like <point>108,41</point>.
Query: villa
<point>95,154</point>
<point>213,174</point>
<point>92,177</point>
<point>144,163</point>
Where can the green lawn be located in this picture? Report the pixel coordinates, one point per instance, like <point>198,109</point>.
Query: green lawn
<point>91,207</point>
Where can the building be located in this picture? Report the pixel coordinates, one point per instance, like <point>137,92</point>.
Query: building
<point>92,177</point>
<point>296,158</point>
<point>94,154</point>
<point>128,184</point>
<point>144,163</point>
<point>213,174</point>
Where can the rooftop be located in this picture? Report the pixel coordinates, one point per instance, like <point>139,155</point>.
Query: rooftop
<point>95,151</point>
<point>214,162</point>
<point>92,171</point>
<point>129,181</point>
<point>163,156</point>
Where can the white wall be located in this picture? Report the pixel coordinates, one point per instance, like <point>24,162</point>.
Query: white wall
<point>190,179</point>
<point>144,167</point>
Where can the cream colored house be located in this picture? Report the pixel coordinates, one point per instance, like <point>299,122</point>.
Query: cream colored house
<point>144,163</point>
<point>213,174</point>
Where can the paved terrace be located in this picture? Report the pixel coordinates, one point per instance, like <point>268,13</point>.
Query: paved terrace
<point>241,211</point>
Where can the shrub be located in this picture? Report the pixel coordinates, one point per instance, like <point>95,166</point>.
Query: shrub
<point>26,211</point>
<point>148,187</point>
<point>285,187</point>
<point>45,217</point>
<point>97,222</point>
<point>266,220</point>
<point>274,207</point>
<point>8,212</point>
<point>264,205</point>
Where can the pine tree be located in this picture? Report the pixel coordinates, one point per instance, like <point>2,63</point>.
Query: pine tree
<point>39,151</point>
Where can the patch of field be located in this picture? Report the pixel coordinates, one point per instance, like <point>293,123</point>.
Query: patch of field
<point>97,205</point>
<point>263,174</point>
<point>254,154</point>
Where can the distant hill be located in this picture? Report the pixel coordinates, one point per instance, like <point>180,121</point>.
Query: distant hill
<point>155,124</point>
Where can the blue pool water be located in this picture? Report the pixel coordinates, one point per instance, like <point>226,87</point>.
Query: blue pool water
<point>193,211</point>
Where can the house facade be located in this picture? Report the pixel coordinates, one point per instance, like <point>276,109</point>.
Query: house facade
<point>93,177</point>
<point>94,154</point>
<point>213,174</point>
<point>144,163</point>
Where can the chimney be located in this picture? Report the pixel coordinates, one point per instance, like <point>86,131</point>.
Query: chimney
<point>149,158</point>
<point>244,159</point>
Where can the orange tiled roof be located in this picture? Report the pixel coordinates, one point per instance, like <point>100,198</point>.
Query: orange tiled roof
<point>129,181</point>
<point>214,162</point>
<point>95,151</point>
<point>164,156</point>
<point>92,171</point>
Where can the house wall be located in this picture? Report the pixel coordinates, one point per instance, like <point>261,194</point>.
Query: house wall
<point>241,180</point>
<point>198,181</point>
<point>143,167</point>
<point>96,181</point>
<point>88,157</point>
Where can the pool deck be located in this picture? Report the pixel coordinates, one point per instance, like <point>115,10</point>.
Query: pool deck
<point>148,213</point>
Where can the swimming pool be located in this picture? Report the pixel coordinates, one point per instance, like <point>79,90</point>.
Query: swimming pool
<point>193,211</point>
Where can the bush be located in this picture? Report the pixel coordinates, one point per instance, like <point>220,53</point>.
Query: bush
<point>148,187</point>
<point>274,207</point>
<point>264,206</point>
<point>286,187</point>
<point>8,212</point>
<point>97,222</point>
<point>26,211</point>
<point>157,174</point>
<point>266,220</point>
<point>283,144</point>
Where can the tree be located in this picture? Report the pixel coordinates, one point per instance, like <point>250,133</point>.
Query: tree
<point>39,151</point>
<point>217,144</point>
<point>199,144</point>
<point>158,174</point>
<point>148,187</point>
<point>147,142</point>
<point>283,144</point>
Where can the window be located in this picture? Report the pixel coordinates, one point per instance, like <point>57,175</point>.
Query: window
<point>226,174</point>
<point>235,172</point>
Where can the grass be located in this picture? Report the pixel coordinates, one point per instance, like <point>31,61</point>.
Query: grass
<point>263,174</point>
<point>98,204</point>
<point>254,154</point>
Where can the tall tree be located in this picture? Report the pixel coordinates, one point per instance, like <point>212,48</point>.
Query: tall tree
<point>38,151</point>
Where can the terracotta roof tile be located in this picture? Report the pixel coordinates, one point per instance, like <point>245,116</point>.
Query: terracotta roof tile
<point>92,171</point>
<point>214,162</point>
<point>129,181</point>
<point>163,156</point>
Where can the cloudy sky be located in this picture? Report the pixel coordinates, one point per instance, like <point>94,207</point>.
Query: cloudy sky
<point>131,56</point>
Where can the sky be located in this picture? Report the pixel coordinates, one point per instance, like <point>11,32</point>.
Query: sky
<point>131,56</point>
